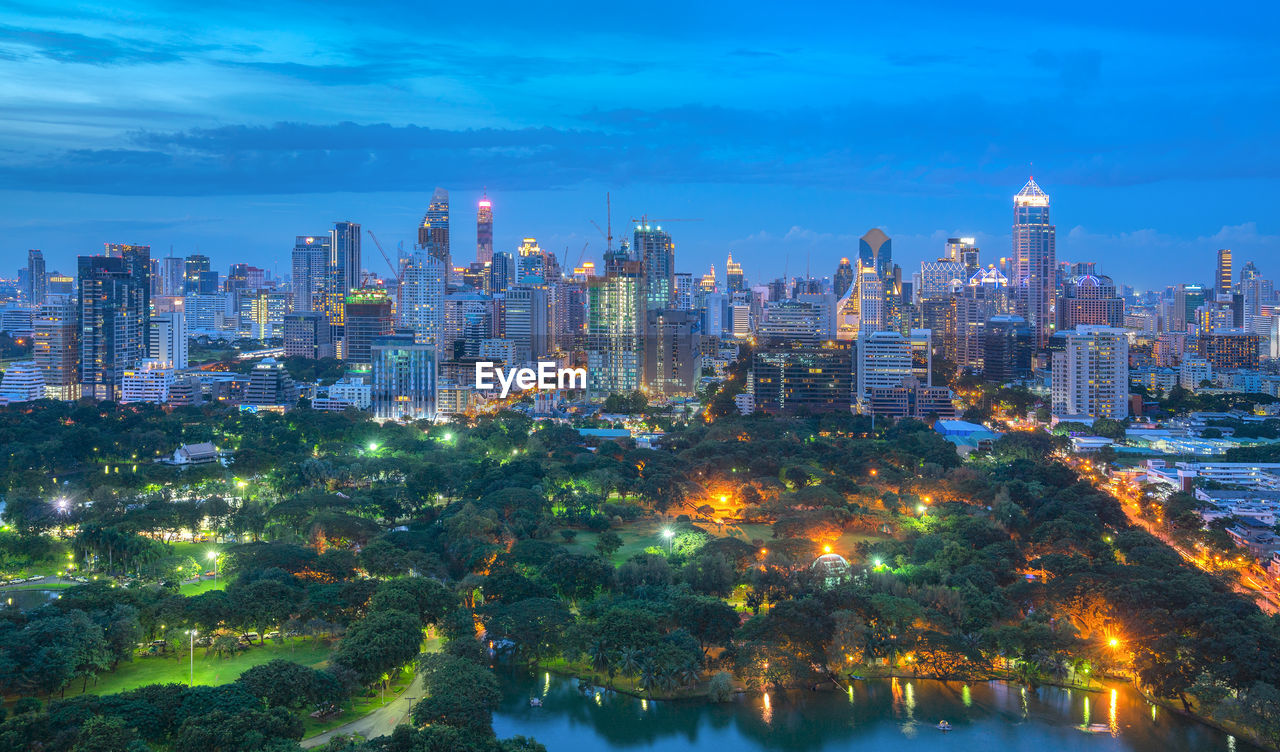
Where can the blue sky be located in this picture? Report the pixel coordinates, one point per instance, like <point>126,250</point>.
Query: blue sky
<point>789,132</point>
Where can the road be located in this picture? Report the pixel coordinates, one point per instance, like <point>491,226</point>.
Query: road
<point>380,722</point>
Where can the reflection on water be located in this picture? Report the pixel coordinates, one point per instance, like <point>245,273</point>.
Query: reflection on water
<point>889,714</point>
<point>25,600</point>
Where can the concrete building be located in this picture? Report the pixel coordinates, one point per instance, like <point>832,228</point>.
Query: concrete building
<point>1091,375</point>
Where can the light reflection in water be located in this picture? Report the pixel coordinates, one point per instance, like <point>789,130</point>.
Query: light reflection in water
<point>1086,711</point>
<point>1025,708</point>
<point>850,694</point>
<point>644,705</point>
<point>767,712</point>
<point>1111,720</point>
<point>966,696</point>
<point>910,702</point>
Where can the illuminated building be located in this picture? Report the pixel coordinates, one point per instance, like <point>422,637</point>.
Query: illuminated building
<point>875,250</point>
<point>671,360</point>
<point>502,273</point>
<point>310,271</point>
<point>368,315</point>
<point>884,359</point>
<point>468,321</point>
<point>433,233</point>
<point>270,385</point>
<point>114,317</point>
<point>37,278</point>
<point>307,335</point>
<point>733,276</point>
<point>193,267</point>
<point>1089,300</point>
<point>484,230</point>
<point>403,378</point>
<point>656,252</point>
<point>965,251</point>
<point>1223,277</point>
<point>615,323</point>
<point>684,291</point>
<point>871,300</point>
<point>844,278</point>
<point>524,321</point>
<point>148,383</point>
<point>791,321</point>
<point>56,349</point>
<point>708,283</point>
<point>168,345</point>
<point>584,272</point>
<point>939,278</point>
<point>1034,260</point>
<point>261,313</point>
<point>531,263</point>
<point>910,399</point>
<point>1230,348</point>
<point>790,377</point>
<point>422,296</point>
<point>1007,349</point>
<point>342,272</point>
<point>173,276</point>
<point>1091,374</point>
<point>22,382</point>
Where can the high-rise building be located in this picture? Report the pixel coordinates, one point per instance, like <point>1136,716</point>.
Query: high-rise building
<point>685,291</point>
<point>884,359</point>
<point>502,273</point>
<point>524,321</point>
<point>787,378</point>
<point>658,254</point>
<point>307,334</point>
<point>791,321</point>
<point>1230,348</point>
<point>56,348</point>
<point>875,250</point>
<point>1034,260</point>
<point>37,278</point>
<point>193,266</point>
<point>844,278</point>
<point>368,316</point>
<point>468,321</point>
<point>422,295</point>
<point>173,276</point>
<point>734,281</point>
<point>114,319</point>
<point>168,344</point>
<point>871,300</point>
<point>965,251</point>
<point>433,233</point>
<point>1090,377</point>
<point>615,323</point>
<point>484,230</point>
<point>531,263</point>
<point>1089,300</point>
<point>1222,278</point>
<point>271,386</point>
<point>672,357</point>
<point>149,382</point>
<point>310,271</point>
<point>1006,348</point>
<point>403,378</point>
<point>22,382</point>
<point>342,272</point>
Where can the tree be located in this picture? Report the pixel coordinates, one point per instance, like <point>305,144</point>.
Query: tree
<point>378,643</point>
<point>608,543</point>
<point>220,731</point>
<point>459,694</point>
<point>282,683</point>
<point>710,620</point>
<point>100,734</point>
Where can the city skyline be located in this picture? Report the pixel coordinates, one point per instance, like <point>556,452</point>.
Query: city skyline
<point>234,144</point>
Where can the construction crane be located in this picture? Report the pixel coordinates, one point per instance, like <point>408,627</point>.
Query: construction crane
<point>646,219</point>
<point>396,272</point>
<point>580,255</point>
<point>608,212</point>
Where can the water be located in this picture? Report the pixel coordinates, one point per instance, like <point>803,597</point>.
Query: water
<point>26,600</point>
<point>879,715</point>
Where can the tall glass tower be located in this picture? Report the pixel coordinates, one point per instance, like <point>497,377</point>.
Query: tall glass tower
<point>655,250</point>
<point>1034,261</point>
<point>433,235</point>
<point>484,231</point>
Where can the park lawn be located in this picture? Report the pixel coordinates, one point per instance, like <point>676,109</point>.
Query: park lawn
<point>203,586</point>
<point>636,537</point>
<point>144,670</point>
<point>359,706</point>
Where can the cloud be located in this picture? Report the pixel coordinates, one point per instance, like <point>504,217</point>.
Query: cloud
<point>17,43</point>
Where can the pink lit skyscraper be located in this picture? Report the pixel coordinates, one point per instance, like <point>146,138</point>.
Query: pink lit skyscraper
<point>484,231</point>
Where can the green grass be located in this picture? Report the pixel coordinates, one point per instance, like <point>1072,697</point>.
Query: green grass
<point>203,586</point>
<point>170,668</point>
<point>38,586</point>
<point>359,706</point>
<point>636,537</point>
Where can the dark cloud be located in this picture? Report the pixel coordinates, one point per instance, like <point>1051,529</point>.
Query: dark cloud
<point>16,43</point>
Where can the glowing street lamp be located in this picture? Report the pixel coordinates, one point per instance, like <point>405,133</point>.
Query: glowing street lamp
<point>192,644</point>
<point>669,534</point>
<point>373,447</point>
<point>213,556</point>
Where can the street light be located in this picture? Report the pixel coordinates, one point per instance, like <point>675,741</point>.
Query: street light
<point>669,534</point>
<point>213,556</point>
<point>373,447</point>
<point>192,644</point>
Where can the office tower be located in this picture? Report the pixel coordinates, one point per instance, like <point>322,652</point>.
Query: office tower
<point>403,378</point>
<point>168,343</point>
<point>921,343</point>
<point>433,234</point>
<point>525,322</point>
<point>1034,260</point>
<point>484,230</point>
<point>1089,300</point>
<point>37,278</point>
<point>791,321</point>
<point>22,382</point>
<point>193,266</point>
<point>137,265</point>
<point>342,274</point>
<point>1006,349</point>
<point>615,322</point>
<point>789,377</point>
<point>207,282</point>
<point>733,276</point>
<point>708,281</point>
<point>310,271</point>
<point>468,321</point>
<point>1186,300</point>
<point>261,313</point>
<point>1091,374</point>
<point>531,263</point>
<point>871,300</point>
<point>568,316</point>
<point>173,275</point>
<point>63,285</point>
<point>422,294</point>
<point>502,273</point>
<point>270,385</point>
<point>939,278</point>
<point>307,334</point>
<point>113,319</point>
<point>965,251</point>
<point>875,250</point>
<point>368,316</point>
<point>1223,276</point>
<point>207,313</point>
<point>56,349</point>
<point>844,278</point>
<point>684,291</point>
<point>672,357</point>
<point>1230,348</point>
<point>655,250</point>
<point>884,359</point>
<point>243,277</point>
<point>149,382</point>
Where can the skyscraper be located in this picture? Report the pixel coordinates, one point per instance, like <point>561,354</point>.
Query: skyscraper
<point>193,266</point>
<point>404,378</point>
<point>433,234</point>
<point>56,349</point>
<point>484,230</point>
<point>733,275</point>
<point>422,289</point>
<point>615,322</point>
<point>502,273</point>
<point>368,316</point>
<point>1034,260</point>
<point>310,271</point>
<point>343,271</point>
<point>655,250</point>
<point>114,321</point>
<point>1222,278</point>
<point>173,276</point>
<point>37,278</point>
<point>1091,374</point>
<point>844,278</point>
<point>168,340</point>
<point>875,250</point>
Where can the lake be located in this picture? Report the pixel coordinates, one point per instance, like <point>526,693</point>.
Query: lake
<point>26,600</point>
<point>882,714</point>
